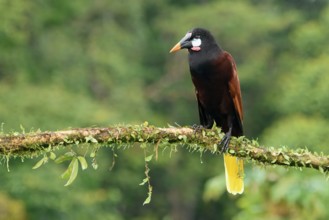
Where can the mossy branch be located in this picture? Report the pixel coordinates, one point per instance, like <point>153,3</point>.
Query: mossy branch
<point>35,143</point>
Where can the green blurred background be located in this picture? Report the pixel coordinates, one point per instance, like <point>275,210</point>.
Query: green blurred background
<point>96,63</point>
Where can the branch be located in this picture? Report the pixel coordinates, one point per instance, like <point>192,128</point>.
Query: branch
<point>204,140</point>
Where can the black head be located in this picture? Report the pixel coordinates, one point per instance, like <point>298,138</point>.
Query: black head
<point>196,40</point>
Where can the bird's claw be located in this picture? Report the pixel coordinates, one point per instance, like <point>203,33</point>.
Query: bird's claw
<point>224,143</point>
<point>197,128</point>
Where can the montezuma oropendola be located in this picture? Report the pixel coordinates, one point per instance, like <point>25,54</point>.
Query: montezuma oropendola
<point>218,93</point>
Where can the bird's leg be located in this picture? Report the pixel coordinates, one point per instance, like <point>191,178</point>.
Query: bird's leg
<point>226,140</point>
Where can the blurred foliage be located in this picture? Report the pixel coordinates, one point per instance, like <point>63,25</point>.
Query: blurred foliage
<point>83,63</point>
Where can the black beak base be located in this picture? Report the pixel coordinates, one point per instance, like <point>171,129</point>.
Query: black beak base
<point>184,43</point>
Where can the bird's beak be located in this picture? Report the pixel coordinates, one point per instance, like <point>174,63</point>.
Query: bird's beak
<point>183,43</point>
<point>176,48</point>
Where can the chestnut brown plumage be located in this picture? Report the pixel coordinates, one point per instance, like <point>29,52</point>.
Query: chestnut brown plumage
<point>218,94</point>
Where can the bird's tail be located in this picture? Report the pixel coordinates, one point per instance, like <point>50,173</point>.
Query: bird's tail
<point>234,174</point>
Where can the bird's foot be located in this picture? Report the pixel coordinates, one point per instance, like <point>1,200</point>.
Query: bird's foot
<point>197,128</point>
<point>225,142</point>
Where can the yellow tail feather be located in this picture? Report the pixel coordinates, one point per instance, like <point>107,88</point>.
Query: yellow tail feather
<point>234,174</point>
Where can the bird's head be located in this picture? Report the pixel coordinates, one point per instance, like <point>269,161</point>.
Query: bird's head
<point>195,40</point>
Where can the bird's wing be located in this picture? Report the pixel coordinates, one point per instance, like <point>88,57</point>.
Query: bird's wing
<point>234,87</point>
<point>205,119</point>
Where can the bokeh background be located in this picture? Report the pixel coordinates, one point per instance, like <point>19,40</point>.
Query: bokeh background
<point>96,63</point>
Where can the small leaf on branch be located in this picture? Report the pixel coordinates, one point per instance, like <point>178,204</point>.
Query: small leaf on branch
<point>148,199</point>
<point>66,173</point>
<point>91,139</point>
<point>182,137</point>
<point>94,164</point>
<point>71,172</point>
<point>143,145</point>
<point>92,154</point>
<point>148,158</point>
<point>65,157</point>
<point>286,157</point>
<point>145,180</point>
<point>40,163</point>
<point>52,155</point>
<point>83,162</point>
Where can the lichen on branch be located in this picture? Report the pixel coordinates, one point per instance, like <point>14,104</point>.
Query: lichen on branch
<point>205,140</point>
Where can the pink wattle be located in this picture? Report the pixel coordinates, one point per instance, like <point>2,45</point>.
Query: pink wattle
<point>196,48</point>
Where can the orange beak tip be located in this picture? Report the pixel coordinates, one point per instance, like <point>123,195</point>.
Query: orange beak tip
<point>175,48</point>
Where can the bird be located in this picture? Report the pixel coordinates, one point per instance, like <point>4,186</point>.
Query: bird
<point>217,88</point>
